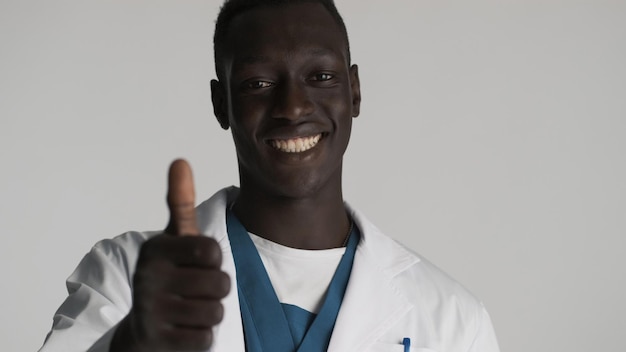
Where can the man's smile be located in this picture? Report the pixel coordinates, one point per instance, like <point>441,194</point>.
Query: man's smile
<point>295,145</point>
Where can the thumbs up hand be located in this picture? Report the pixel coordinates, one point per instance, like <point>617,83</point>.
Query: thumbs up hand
<point>178,283</point>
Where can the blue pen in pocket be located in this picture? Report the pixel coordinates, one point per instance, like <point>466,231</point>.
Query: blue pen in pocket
<point>407,344</point>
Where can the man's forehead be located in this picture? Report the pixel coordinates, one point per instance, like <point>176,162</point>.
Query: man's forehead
<point>305,28</point>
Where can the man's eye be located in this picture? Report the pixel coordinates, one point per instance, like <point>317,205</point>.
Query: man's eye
<point>323,77</point>
<point>259,84</point>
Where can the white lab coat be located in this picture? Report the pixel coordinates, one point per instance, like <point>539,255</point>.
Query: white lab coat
<point>392,294</point>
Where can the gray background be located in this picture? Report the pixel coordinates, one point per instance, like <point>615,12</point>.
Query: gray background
<point>491,141</point>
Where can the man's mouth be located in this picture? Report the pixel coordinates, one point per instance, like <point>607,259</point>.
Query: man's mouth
<point>295,145</point>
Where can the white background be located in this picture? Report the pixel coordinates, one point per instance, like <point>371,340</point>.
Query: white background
<point>491,141</point>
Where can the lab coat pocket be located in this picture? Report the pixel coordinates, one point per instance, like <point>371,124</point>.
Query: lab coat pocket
<point>396,347</point>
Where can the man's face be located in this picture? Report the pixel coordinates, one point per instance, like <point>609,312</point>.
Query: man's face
<point>289,98</point>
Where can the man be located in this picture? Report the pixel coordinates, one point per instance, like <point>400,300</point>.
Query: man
<point>280,264</point>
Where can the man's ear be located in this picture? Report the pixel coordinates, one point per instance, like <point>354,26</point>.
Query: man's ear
<point>355,87</point>
<point>220,104</point>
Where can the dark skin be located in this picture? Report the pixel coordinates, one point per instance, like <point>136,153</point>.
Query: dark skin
<point>287,79</point>
<point>288,76</point>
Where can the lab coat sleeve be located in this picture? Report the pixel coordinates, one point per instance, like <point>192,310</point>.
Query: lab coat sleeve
<point>99,297</point>
<point>485,339</point>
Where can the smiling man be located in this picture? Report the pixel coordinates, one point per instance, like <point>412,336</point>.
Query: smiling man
<point>281,263</point>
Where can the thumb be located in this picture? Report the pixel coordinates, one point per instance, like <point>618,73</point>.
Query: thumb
<point>181,200</point>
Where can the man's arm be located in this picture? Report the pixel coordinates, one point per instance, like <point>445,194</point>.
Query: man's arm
<point>177,286</point>
<point>99,296</point>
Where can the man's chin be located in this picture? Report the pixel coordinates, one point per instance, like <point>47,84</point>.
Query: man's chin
<point>299,189</point>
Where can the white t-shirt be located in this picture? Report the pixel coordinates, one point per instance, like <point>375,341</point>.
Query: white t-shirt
<point>300,277</point>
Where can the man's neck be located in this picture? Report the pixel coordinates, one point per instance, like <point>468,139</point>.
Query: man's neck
<point>316,222</point>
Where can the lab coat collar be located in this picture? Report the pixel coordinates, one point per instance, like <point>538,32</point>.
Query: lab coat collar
<point>372,303</point>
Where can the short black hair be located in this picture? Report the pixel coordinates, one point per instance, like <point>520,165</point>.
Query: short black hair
<point>231,8</point>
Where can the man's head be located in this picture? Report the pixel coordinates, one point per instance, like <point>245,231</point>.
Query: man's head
<point>231,8</point>
<point>288,93</point>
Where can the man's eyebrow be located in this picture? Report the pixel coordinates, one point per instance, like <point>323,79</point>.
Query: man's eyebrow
<point>320,52</point>
<point>254,59</point>
<point>261,59</point>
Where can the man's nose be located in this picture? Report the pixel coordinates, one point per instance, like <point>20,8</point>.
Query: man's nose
<point>292,101</point>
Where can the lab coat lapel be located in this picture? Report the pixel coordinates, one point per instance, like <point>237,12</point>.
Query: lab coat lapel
<point>372,303</point>
<point>228,334</point>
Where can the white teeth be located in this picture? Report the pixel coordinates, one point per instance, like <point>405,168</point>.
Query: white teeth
<point>295,145</point>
